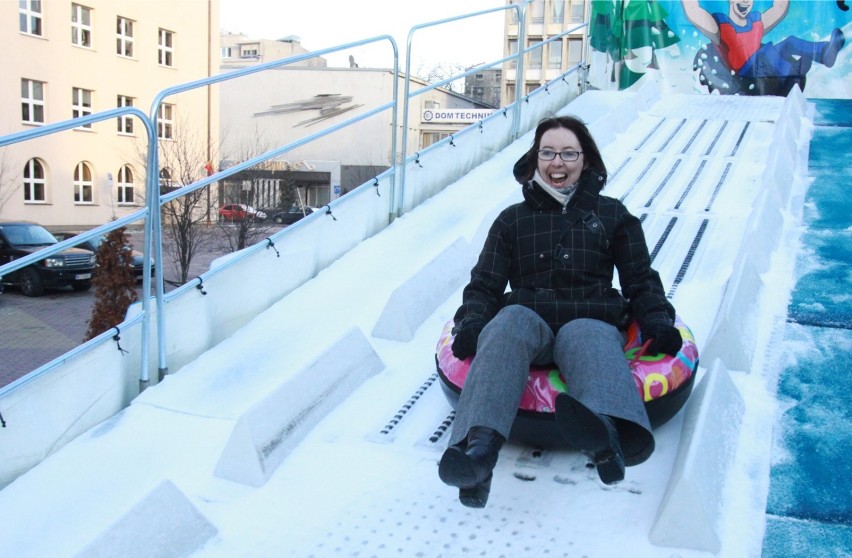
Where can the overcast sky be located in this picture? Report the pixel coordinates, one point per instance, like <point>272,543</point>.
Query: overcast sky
<point>322,24</point>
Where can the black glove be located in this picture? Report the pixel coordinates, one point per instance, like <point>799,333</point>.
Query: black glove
<point>466,337</point>
<point>664,338</point>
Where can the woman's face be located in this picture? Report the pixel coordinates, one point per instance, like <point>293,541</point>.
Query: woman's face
<point>557,172</point>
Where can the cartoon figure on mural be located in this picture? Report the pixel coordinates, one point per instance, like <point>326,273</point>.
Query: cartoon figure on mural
<point>738,61</point>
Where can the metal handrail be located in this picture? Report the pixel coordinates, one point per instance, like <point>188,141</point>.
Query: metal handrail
<point>72,123</point>
<point>155,200</point>
<point>153,229</point>
<point>407,96</point>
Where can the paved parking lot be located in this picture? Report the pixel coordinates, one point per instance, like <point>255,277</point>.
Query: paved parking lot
<point>34,331</point>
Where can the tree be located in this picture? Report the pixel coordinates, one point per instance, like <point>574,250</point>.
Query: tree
<point>440,72</point>
<point>184,159</point>
<point>247,188</point>
<point>114,282</point>
<point>8,180</point>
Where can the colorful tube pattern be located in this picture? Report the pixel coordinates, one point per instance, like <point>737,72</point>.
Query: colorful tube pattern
<point>655,375</point>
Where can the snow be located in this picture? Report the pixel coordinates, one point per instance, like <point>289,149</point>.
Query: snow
<point>346,489</point>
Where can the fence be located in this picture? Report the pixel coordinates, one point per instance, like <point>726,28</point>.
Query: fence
<point>94,381</point>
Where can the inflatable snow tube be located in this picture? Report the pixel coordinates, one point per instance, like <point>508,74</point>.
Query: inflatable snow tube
<point>714,74</point>
<point>664,382</point>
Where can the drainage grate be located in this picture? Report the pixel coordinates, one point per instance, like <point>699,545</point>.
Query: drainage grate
<point>397,418</point>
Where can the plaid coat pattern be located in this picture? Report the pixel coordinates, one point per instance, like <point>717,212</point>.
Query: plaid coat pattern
<point>559,262</point>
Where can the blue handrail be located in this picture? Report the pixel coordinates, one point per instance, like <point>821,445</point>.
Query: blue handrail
<point>153,239</point>
<point>153,229</point>
<point>520,9</point>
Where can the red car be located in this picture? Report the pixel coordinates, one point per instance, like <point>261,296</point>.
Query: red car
<point>239,212</point>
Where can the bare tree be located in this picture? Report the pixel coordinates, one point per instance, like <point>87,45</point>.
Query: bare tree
<point>245,188</point>
<point>184,160</point>
<point>440,72</point>
<point>8,180</point>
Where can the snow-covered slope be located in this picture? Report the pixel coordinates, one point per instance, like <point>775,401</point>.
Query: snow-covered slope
<point>304,434</point>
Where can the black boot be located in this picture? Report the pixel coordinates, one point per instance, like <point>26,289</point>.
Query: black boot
<point>593,434</point>
<point>468,465</point>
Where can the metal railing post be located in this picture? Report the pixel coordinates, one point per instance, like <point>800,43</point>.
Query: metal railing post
<point>407,96</point>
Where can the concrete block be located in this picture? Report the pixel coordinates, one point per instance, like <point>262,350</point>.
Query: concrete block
<point>733,337</point>
<point>690,513</point>
<point>416,299</point>
<point>765,231</point>
<point>163,524</point>
<point>268,431</point>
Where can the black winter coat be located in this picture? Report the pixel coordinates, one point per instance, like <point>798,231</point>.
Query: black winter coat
<point>559,262</point>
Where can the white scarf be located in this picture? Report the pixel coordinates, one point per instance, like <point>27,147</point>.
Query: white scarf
<point>562,195</point>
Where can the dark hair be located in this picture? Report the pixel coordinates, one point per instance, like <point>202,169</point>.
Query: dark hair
<point>526,165</point>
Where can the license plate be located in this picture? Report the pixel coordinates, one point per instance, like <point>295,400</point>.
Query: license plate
<point>81,276</point>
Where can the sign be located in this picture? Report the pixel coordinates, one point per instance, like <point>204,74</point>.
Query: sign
<point>464,116</point>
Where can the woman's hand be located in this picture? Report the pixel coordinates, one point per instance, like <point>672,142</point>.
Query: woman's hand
<point>664,338</point>
<point>466,337</point>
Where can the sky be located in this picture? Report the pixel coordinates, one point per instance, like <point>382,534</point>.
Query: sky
<point>329,23</point>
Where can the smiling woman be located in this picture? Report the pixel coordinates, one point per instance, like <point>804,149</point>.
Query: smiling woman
<point>557,251</point>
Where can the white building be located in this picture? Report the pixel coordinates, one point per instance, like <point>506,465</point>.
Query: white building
<point>67,59</point>
<point>544,19</point>
<point>275,107</point>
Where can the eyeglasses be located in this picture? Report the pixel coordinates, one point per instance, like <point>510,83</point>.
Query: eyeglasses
<point>567,156</point>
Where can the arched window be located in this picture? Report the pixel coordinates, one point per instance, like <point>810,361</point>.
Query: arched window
<point>83,189</point>
<point>34,183</point>
<point>125,185</point>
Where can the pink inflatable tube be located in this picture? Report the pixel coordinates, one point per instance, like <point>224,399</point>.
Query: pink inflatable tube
<point>663,381</point>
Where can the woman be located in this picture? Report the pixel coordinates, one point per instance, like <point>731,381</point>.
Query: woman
<point>557,251</point>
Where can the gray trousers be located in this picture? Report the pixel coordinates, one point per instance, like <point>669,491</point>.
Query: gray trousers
<point>589,353</point>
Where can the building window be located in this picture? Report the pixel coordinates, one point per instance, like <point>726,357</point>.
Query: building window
<point>554,54</point>
<point>225,52</point>
<point>536,11</point>
<point>165,52</point>
<point>575,51</point>
<point>83,183</point>
<point>30,17</point>
<point>433,137</point>
<point>165,121</point>
<point>32,101</point>
<point>81,104</point>
<point>513,51</point>
<point>81,26</point>
<point>125,121</point>
<point>248,51</point>
<point>34,183</point>
<point>578,11</point>
<point>124,37</point>
<point>535,55</point>
<point>125,185</point>
<point>558,15</point>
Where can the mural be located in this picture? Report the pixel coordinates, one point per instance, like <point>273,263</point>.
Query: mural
<point>728,47</point>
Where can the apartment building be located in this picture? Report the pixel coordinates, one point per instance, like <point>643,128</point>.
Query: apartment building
<point>237,51</point>
<point>484,86</point>
<point>67,59</point>
<point>544,19</point>
<point>282,105</point>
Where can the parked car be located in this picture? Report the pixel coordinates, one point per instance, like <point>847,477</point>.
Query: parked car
<point>290,216</point>
<point>72,266</point>
<point>239,212</point>
<point>138,259</point>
